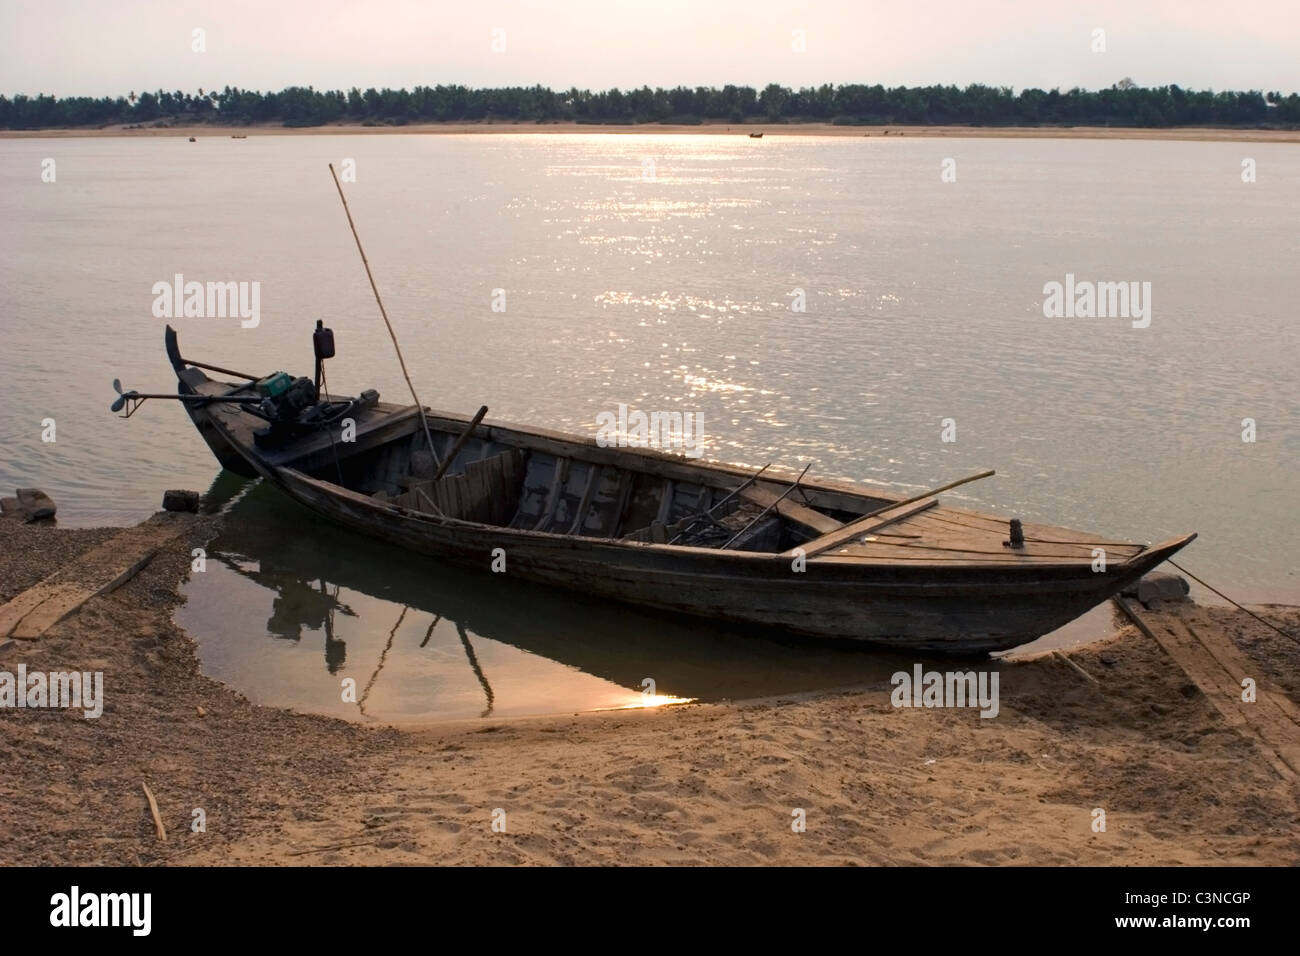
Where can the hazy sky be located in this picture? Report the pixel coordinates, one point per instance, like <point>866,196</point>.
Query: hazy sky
<point>99,47</point>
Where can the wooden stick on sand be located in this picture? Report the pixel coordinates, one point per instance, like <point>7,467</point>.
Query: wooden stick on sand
<point>153,809</point>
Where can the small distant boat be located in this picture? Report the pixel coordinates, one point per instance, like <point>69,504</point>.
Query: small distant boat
<point>821,558</point>
<point>239,136</point>
<point>193,140</point>
<point>755,135</point>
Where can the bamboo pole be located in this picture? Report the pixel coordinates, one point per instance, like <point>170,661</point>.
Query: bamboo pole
<point>382,311</point>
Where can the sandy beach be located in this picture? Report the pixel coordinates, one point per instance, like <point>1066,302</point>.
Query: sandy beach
<point>705,129</point>
<point>693,784</point>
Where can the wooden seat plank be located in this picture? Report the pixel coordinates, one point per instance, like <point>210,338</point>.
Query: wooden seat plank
<point>802,515</point>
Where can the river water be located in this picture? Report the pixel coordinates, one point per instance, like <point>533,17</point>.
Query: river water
<point>844,301</point>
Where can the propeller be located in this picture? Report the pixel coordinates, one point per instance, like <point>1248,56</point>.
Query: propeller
<point>122,397</point>
<point>131,400</point>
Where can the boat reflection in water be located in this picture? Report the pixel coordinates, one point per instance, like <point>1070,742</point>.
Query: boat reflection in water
<point>294,612</point>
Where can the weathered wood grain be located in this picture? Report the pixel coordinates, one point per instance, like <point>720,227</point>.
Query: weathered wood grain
<point>1206,654</point>
<point>864,526</point>
<point>98,571</point>
<point>796,513</point>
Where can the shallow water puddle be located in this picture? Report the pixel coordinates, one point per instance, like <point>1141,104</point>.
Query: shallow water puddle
<point>290,608</point>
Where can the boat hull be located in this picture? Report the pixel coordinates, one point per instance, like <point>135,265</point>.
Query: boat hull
<point>957,609</point>
<point>958,612</point>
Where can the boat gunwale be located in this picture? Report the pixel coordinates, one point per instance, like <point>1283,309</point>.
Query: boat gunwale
<point>495,430</point>
<point>1070,571</point>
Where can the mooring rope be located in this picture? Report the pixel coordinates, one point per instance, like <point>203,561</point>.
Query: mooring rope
<point>1232,602</point>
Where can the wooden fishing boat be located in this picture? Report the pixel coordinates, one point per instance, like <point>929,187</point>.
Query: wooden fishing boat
<point>811,557</point>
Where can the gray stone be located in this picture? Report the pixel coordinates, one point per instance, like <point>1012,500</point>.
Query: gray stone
<point>177,500</point>
<point>1159,586</point>
<point>31,504</point>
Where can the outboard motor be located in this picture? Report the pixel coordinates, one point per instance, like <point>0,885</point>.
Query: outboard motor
<point>284,397</point>
<point>290,403</point>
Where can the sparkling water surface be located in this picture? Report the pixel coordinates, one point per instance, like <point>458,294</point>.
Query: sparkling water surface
<point>660,271</point>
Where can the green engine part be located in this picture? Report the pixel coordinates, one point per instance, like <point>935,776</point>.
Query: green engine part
<point>277,383</point>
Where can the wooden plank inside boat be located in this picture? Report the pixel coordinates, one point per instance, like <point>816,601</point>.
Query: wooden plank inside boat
<point>487,491</point>
<point>794,512</point>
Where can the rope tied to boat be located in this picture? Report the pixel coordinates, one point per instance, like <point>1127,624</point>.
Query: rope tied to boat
<point>1239,607</point>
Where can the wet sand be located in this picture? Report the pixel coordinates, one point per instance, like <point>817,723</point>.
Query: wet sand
<point>682,785</point>
<point>709,129</point>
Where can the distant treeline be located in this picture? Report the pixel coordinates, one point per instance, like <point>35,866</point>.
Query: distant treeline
<point>1123,104</point>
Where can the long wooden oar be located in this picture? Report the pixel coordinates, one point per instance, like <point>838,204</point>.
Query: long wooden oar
<point>932,492</point>
<point>862,525</point>
<point>927,494</point>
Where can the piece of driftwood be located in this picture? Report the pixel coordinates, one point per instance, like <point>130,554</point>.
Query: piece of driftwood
<point>1077,668</point>
<point>153,810</point>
